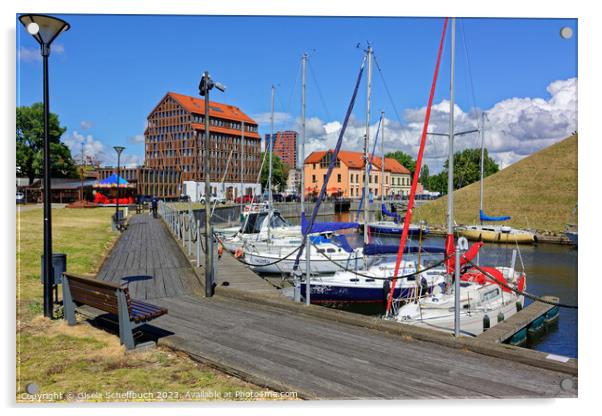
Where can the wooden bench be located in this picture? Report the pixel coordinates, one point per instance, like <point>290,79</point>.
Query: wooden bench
<point>111,298</point>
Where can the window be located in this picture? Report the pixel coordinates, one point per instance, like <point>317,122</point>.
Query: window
<point>339,178</point>
<point>313,178</point>
<point>375,179</point>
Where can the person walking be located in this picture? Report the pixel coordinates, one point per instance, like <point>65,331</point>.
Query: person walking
<point>154,204</point>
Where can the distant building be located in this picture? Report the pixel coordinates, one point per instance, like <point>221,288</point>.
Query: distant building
<point>293,180</point>
<point>175,144</point>
<point>347,179</point>
<point>285,146</point>
<point>162,183</point>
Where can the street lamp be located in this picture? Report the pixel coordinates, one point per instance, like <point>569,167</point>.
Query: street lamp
<point>205,86</point>
<point>45,29</point>
<point>118,149</point>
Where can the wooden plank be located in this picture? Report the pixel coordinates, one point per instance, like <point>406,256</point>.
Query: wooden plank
<point>507,328</point>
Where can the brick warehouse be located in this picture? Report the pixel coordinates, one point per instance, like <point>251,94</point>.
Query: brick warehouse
<point>176,134</point>
<point>285,146</point>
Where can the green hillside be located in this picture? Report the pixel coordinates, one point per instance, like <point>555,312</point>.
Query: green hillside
<point>539,192</point>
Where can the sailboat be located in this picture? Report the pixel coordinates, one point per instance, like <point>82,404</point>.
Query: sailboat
<point>369,280</point>
<point>482,296</point>
<point>275,252</point>
<point>492,233</point>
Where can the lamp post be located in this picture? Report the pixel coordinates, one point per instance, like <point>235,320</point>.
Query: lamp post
<point>205,86</point>
<point>118,149</point>
<point>45,29</point>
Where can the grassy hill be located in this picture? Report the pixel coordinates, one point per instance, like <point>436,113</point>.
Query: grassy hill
<point>539,192</point>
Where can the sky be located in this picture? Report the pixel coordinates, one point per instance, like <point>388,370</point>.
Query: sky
<point>109,71</point>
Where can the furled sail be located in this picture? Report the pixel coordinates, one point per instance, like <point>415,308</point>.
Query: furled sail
<point>321,227</point>
<point>485,217</point>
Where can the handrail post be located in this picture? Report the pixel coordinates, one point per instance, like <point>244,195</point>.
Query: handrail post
<point>198,243</point>
<point>189,234</point>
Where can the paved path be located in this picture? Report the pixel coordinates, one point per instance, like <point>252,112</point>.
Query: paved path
<point>317,358</point>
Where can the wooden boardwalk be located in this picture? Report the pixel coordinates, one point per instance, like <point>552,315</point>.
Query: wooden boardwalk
<point>318,358</point>
<point>149,261</point>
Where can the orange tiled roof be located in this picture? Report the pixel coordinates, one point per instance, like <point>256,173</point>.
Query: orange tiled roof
<point>197,106</point>
<point>394,166</point>
<point>355,160</point>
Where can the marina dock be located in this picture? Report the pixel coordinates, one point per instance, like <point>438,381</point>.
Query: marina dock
<point>249,330</point>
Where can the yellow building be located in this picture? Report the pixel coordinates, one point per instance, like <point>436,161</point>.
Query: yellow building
<point>347,179</point>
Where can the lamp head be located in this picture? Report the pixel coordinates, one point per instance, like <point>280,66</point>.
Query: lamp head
<point>45,29</point>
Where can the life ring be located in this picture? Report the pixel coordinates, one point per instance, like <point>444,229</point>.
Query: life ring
<point>238,253</point>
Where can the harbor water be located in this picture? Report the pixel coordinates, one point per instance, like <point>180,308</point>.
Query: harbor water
<point>551,270</point>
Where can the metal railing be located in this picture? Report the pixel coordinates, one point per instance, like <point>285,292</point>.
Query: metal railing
<point>186,228</point>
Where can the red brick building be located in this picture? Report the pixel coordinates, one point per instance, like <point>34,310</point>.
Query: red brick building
<point>285,146</point>
<point>175,140</point>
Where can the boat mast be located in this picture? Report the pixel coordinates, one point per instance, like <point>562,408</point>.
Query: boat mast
<point>307,242</point>
<point>450,184</point>
<point>450,169</point>
<point>382,164</point>
<point>271,141</point>
<point>483,115</point>
<point>366,144</point>
<point>302,155</point>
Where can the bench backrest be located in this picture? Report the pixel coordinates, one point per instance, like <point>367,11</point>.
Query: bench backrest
<point>96,293</point>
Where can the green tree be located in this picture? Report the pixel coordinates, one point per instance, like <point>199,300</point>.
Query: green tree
<point>30,145</point>
<point>467,167</point>
<point>467,170</point>
<point>279,173</point>
<point>405,160</point>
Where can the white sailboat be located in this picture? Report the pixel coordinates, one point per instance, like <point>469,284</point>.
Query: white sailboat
<point>493,233</point>
<point>482,305</point>
<point>482,296</point>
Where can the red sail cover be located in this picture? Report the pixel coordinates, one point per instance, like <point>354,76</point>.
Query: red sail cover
<point>475,275</point>
<point>465,258</point>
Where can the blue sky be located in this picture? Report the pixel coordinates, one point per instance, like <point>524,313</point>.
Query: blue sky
<point>109,71</point>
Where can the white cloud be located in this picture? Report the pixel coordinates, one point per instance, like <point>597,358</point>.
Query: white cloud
<point>92,148</point>
<point>131,160</point>
<point>26,54</point>
<point>516,127</point>
<point>137,139</point>
<point>29,54</point>
<point>85,124</point>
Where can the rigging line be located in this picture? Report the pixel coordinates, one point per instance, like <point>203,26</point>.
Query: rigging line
<point>380,72</point>
<point>408,218</point>
<point>359,209</point>
<point>470,77</point>
<point>416,273</point>
<point>332,161</point>
<point>313,76</point>
<point>287,109</point>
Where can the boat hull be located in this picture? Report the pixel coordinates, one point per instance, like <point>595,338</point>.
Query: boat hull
<point>498,236</point>
<point>395,230</point>
<point>471,324</point>
<point>332,293</point>
<point>272,265</point>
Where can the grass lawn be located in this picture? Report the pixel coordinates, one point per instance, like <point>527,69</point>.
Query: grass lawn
<point>82,363</point>
<point>539,192</point>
